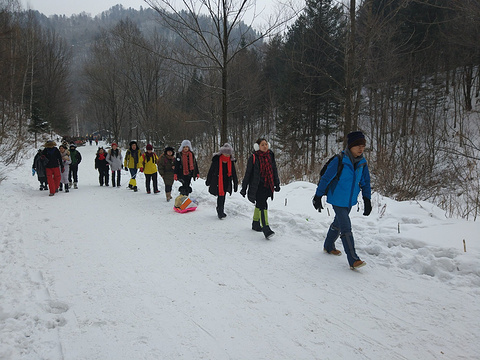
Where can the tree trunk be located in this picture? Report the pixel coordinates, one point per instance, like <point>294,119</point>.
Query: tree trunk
<point>350,63</point>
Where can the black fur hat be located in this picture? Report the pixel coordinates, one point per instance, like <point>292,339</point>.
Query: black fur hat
<point>169,148</point>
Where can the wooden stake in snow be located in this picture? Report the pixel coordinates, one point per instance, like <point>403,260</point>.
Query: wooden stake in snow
<point>464,246</point>
<point>399,228</point>
<point>285,201</point>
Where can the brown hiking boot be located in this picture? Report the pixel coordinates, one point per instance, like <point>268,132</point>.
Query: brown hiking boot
<point>358,264</point>
<point>333,252</point>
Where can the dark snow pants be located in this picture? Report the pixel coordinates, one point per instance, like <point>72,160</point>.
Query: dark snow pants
<point>341,226</point>
<point>73,173</point>
<point>154,179</point>
<point>103,176</point>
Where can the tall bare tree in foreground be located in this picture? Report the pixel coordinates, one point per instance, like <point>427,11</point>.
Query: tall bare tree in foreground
<point>214,44</point>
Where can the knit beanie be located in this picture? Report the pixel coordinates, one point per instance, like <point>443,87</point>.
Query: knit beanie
<point>149,147</point>
<point>356,138</point>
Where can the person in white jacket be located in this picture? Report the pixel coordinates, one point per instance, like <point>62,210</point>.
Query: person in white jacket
<point>66,161</point>
<point>115,160</point>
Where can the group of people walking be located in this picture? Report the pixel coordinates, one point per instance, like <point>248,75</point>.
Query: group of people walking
<point>346,175</point>
<point>57,168</point>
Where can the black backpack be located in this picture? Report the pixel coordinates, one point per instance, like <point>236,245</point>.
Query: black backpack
<point>339,168</point>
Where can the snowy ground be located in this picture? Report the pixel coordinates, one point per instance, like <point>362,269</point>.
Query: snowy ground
<point>105,273</point>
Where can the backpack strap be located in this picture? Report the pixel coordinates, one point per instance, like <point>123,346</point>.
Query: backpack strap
<point>339,166</point>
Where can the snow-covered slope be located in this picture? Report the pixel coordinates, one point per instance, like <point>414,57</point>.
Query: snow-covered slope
<point>105,273</point>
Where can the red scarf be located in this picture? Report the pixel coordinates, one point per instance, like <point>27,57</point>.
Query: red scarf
<point>222,158</point>
<point>101,156</point>
<point>266,169</point>
<point>187,162</point>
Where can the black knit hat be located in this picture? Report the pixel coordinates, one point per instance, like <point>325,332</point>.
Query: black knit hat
<point>356,138</point>
<point>169,148</point>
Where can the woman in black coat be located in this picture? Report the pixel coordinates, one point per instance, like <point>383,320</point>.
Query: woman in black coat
<point>222,177</point>
<point>186,167</point>
<point>261,180</point>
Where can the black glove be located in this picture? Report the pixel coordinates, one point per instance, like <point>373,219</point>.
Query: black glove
<point>243,192</point>
<point>277,188</point>
<point>317,203</point>
<point>126,168</point>
<point>367,206</point>
<point>235,188</point>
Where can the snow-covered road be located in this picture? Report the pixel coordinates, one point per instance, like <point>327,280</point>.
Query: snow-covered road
<point>105,273</point>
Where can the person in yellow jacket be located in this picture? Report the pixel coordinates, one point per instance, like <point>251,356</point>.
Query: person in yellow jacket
<point>132,163</point>
<point>149,168</point>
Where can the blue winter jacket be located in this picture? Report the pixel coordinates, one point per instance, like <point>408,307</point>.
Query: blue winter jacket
<point>344,191</point>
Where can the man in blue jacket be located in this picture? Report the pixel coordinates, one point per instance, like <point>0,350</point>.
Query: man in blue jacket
<point>342,192</point>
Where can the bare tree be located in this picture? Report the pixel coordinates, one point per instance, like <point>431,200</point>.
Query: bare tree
<point>106,88</point>
<point>216,42</point>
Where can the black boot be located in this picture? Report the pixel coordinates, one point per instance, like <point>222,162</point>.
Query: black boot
<point>66,188</point>
<point>221,207</point>
<point>267,232</point>
<point>220,213</point>
<point>256,225</point>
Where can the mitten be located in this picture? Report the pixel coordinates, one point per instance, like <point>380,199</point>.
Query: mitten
<point>141,169</point>
<point>277,188</point>
<point>33,172</point>
<point>317,203</point>
<point>175,177</point>
<point>367,206</point>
